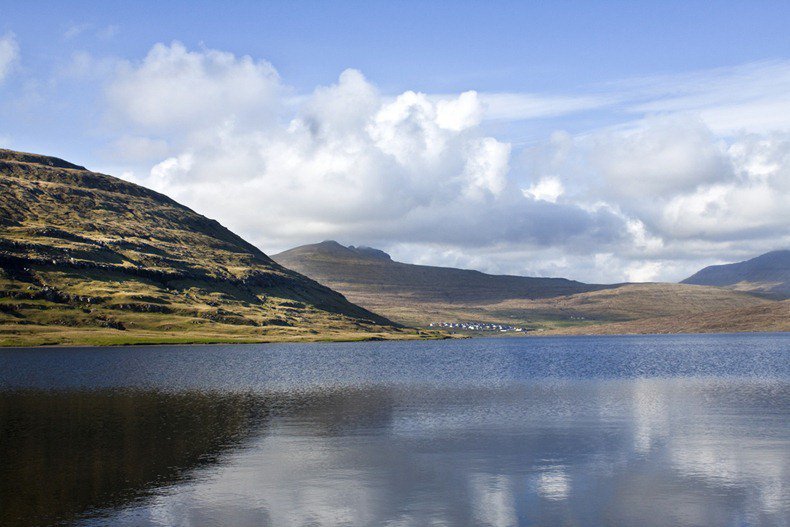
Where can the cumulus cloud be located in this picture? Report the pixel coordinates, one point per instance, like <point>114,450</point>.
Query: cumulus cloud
<point>419,174</point>
<point>727,211</point>
<point>459,114</point>
<point>176,88</point>
<point>661,157</point>
<point>347,163</point>
<point>486,167</point>
<point>682,191</point>
<point>9,54</point>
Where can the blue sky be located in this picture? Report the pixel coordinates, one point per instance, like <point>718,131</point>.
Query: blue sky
<point>426,46</point>
<point>570,107</point>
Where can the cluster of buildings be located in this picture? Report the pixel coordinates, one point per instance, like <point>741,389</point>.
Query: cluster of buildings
<point>476,326</point>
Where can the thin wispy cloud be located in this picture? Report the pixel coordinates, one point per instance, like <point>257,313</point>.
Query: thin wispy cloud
<point>75,30</point>
<point>9,54</point>
<point>524,106</point>
<point>752,97</point>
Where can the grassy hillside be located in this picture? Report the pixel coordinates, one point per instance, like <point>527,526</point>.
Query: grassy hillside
<point>769,316</point>
<point>643,300</point>
<point>767,274</point>
<point>87,258</point>
<point>420,295</point>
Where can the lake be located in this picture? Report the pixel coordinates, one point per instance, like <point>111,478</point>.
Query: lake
<point>631,430</point>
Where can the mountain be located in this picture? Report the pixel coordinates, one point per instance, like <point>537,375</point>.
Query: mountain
<point>90,258</point>
<point>768,274</point>
<point>358,270</point>
<point>420,295</point>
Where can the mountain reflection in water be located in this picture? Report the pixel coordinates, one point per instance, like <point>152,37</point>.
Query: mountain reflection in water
<point>65,453</point>
<point>589,450</point>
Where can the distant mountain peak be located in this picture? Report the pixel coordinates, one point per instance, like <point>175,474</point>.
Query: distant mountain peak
<point>332,247</point>
<point>331,243</point>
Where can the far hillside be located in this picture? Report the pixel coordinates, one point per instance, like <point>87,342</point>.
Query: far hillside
<point>767,274</point>
<point>358,269</point>
<point>421,295</point>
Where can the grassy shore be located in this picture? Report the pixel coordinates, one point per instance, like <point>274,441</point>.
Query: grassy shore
<point>35,336</point>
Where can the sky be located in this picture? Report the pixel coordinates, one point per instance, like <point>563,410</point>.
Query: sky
<point>599,141</point>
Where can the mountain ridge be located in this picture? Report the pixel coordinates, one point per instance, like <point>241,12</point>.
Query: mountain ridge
<point>326,261</point>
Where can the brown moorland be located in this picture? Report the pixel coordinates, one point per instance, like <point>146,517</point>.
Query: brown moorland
<point>420,295</point>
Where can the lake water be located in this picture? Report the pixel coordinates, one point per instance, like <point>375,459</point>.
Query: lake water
<point>643,431</point>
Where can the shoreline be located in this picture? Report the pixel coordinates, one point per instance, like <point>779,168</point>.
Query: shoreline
<point>373,338</point>
<point>111,342</point>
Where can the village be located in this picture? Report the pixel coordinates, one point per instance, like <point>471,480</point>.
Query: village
<point>478,326</point>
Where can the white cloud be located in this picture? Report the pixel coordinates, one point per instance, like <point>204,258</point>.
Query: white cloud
<point>643,271</point>
<point>486,167</point>
<point>9,54</point>
<point>663,156</point>
<point>641,238</point>
<point>726,211</point>
<point>682,192</point>
<point>345,163</point>
<point>676,178</point>
<point>346,107</point>
<point>162,174</point>
<point>459,114</point>
<point>547,189</point>
<point>176,89</point>
<point>521,106</point>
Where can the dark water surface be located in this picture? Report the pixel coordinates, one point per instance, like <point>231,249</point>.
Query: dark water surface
<point>643,431</point>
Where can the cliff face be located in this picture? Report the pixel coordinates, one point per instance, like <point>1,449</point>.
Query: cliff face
<point>83,250</point>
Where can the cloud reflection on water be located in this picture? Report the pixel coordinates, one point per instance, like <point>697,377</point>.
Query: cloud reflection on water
<point>668,452</point>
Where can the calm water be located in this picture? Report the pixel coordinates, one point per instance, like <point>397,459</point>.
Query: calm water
<point>670,430</point>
